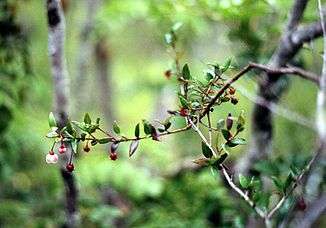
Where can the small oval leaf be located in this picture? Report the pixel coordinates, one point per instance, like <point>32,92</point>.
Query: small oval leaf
<point>116,128</point>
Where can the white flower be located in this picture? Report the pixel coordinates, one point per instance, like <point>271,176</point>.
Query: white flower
<point>51,158</point>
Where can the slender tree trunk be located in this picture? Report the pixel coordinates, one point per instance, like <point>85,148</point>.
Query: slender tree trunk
<point>59,73</point>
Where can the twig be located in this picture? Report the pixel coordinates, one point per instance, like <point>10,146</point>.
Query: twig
<point>226,175</point>
<point>297,182</point>
<point>196,129</point>
<point>277,71</point>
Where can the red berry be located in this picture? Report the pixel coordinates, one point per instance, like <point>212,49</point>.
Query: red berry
<point>232,91</point>
<point>70,167</point>
<point>210,91</point>
<point>62,149</point>
<point>167,74</point>
<point>113,156</point>
<point>234,100</point>
<point>302,204</point>
<point>86,148</point>
<point>183,111</point>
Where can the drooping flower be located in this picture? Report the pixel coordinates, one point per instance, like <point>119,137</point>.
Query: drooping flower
<point>51,158</point>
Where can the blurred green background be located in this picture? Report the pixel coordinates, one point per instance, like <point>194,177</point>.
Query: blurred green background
<point>146,190</point>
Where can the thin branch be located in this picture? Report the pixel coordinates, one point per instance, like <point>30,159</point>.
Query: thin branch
<point>287,70</point>
<point>226,175</point>
<point>196,129</point>
<point>277,71</point>
<point>241,193</point>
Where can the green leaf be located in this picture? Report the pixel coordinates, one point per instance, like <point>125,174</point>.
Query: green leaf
<point>98,120</point>
<point>74,145</point>
<point>167,120</point>
<point>226,65</point>
<point>81,126</point>
<point>176,27</point>
<point>241,121</point>
<point>116,128</point>
<point>93,142</point>
<point>220,124</point>
<point>218,160</point>
<point>104,140</point>
<point>254,183</point>
<point>83,136</point>
<point>167,126</point>
<point>244,181</point>
<point>256,196</point>
<point>225,99</point>
<point>226,134</point>
<point>267,168</point>
<point>209,76</point>
<point>69,128</point>
<point>236,141</point>
<point>185,72</point>
<point>137,131</point>
<point>288,181</point>
<point>147,127</point>
<point>52,135</point>
<point>169,39</point>
<point>52,122</point>
<point>225,148</point>
<point>206,151</point>
<point>294,170</point>
<point>278,183</point>
<point>183,101</point>
<point>87,119</point>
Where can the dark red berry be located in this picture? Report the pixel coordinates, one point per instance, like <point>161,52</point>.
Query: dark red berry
<point>62,149</point>
<point>234,100</point>
<point>232,91</point>
<point>70,167</point>
<point>167,74</point>
<point>302,204</point>
<point>113,156</point>
<point>87,148</point>
<point>183,111</point>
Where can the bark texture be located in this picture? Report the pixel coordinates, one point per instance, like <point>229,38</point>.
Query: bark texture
<point>60,77</point>
<point>270,90</point>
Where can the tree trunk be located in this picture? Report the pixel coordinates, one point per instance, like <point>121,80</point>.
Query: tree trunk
<point>59,73</point>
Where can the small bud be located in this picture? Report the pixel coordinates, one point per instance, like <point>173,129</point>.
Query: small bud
<point>155,135</point>
<point>86,148</point>
<point>70,167</point>
<point>114,147</point>
<point>234,100</point>
<point>133,147</point>
<point>210,91</point>
<point>229,122</point>
<point>232,91</point>
<point>183,111</point>
<point>62,149</point>
<point>113,156</point>
<point>167,74</point>
<point>302,204</point>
